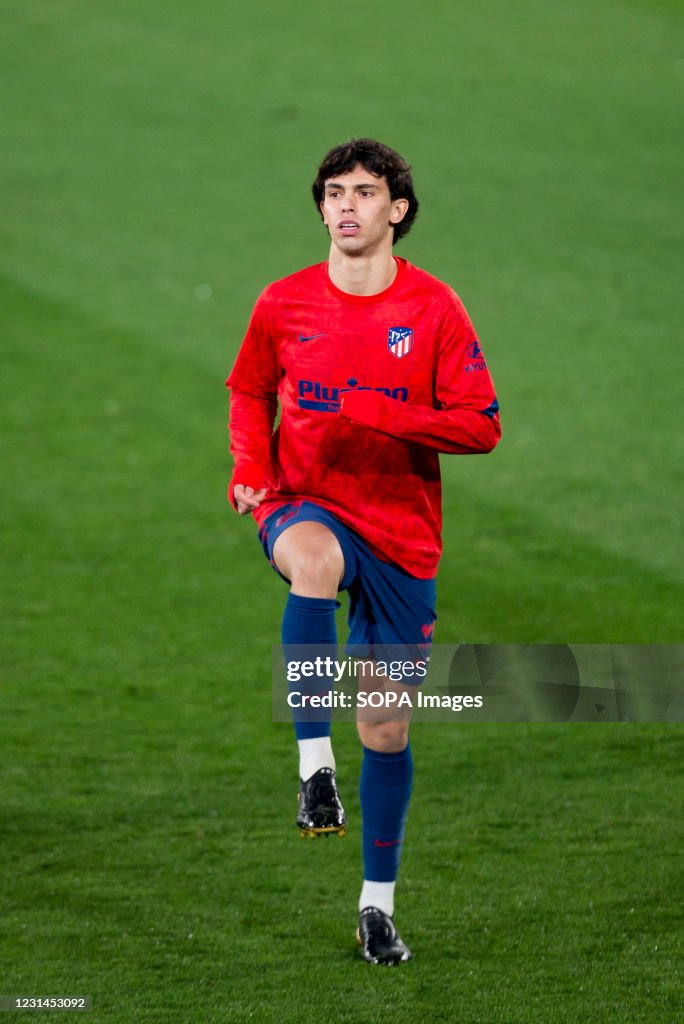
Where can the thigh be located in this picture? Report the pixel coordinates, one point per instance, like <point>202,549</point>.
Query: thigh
<point>303,538</point>
<point>391,622</point>
<point>392,609</point>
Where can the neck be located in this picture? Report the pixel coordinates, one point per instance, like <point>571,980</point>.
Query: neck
<point>363,274</point>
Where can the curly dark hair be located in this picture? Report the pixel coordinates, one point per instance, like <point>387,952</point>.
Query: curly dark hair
<point>379,160</point>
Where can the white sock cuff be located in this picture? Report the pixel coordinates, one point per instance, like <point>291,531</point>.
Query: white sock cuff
<point>314,754</point>
<point>377,894</point>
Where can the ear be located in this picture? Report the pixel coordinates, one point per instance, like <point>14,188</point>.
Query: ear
<point>399,209</point>
<point>322,209</point>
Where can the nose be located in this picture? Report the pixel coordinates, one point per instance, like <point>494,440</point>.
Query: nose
<point>348,203</point>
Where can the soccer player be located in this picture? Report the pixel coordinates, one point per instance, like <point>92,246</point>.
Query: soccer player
<point>376,369</point>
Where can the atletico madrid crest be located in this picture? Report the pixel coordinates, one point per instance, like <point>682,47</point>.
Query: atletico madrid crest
<point>400,341</point>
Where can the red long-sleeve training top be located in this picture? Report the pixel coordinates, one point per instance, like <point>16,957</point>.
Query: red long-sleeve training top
<point>371,389</point>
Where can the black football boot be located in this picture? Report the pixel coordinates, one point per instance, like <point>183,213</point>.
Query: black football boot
<point>320,811</point>
<point>380,940</point>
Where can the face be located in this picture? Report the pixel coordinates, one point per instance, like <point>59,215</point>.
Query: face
<point>359,213</point>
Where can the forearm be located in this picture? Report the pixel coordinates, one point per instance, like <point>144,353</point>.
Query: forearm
<point>251,427</point>
<point>458,431</point>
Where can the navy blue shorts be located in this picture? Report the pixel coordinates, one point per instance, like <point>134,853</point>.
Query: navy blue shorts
<point>387,606</point>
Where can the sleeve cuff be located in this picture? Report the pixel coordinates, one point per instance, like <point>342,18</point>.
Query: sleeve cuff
<point>249,474</point>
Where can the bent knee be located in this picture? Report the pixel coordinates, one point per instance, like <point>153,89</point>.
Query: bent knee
<point>384,737</point>
<point>310,556</point>
<point>316,567</point>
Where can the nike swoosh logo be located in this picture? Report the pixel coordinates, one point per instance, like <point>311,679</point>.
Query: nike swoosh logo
<point>309,337</point>
<point>390,842</point>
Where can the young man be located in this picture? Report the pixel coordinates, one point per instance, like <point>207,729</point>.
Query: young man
<point>377,368</point>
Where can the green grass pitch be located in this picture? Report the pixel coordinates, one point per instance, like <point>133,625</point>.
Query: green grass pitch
<point>155,163</point>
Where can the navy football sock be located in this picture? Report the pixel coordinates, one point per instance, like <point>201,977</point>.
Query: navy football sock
<point>309,631</point>
<point>385,791</point>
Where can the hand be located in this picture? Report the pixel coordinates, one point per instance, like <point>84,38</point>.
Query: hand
<point>247,499</point>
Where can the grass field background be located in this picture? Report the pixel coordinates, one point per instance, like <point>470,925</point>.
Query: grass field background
<point>155,163</point>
